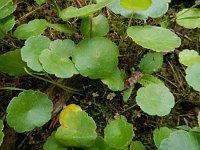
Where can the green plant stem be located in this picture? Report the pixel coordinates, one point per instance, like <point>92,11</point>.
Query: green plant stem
<point>125,34</point>
<point>12,88</point>
<point>68,89</point>
<point>129,108</point>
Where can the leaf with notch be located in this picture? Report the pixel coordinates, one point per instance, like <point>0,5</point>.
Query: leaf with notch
<point>155,38</point>
<point>55,59</point>
<point>29,110</point>
<point>12,63</point>
<point>151,63</point>
<point>155,99</point>
<point>73,12</point>
<point>193,76</point>
<point>135,4</point>
<point>6,24</point>
<point>189,18</point>
<point>189,57</point>
<point>7,7</point>
<point>31,51</point>
<point>118,133</point>
<point>1,133</point>
<point>33,28</point>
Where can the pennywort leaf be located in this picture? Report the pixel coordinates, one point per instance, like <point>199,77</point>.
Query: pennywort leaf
<point>29,110</point>
<point>73,12</point>
<point>155,99</point>
<point>118,133</point>
<point>148,79</point>
<point>39,2</point>
<point>189,57</point>
<point>135,4</point>
<point>96,57</point>
<point>161,134</point>
<point>193,76</point>
<point>155,38</point>
<point>100,26</point>
<point>12,63</point>
<point>151,63</point>
<point>62,28</point>
<point>6,8</point>
<point>99,144</point>
<point>137,145</point>
<point>33,28</point>
<point>6,24</point>
<point>31,51</point>
<point>1,133</point>
<point>189,18</point>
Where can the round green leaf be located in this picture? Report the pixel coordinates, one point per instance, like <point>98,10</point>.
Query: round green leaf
<point>189,57</point>
<point>115,81</point>
<point>151,63</point>
<point>55,60</point>
<point>33,28</point>
<point>96,57</point>
<point>99,144</point>
<point>155,38</point>
<point>12,63</point>
<point>6,24</point>
<point>72,12</point>
<point>31,51</point>
<point>78,130</point>
<point>193,76</point>
<point>29,110</point>
<point>52,144</point>
<point>181,140</point>
<point>100,26</point>
<point>161,134</point>
<point>135,4</point>
<point>189,18</point>
<point>7,7</point>
<point>62,28</point>
<point>157,9</point>
<point>1,133</point>
<point>118,133</point>
<point>148,79</point>
<point>137,145</point>
<point>155,99</point>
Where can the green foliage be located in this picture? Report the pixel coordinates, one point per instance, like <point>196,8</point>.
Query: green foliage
<point>158,96</point>
<point>99,144</point>
<point>31,51</point>
<point>149,79</point>
<point>62,28</point>
<point>6,24</point>
<point>135,4</point>
<point>96,57</point>
<point>118,133</point>
<point>33,28</point>
<point>39,2</point>
<point>115,81</point>
<point>182,140</point>
<point>157,9</point>
<point>137,145</point>
<point>77,130</point>
<point>189,18</point>
<point>161,134</point>
<point>29,110</point>
<point>7,7</point>
<point>55,60</point>
<point>52,144</point>
<point>193,76</point>
<point>100,26</point>
<point>12,63</point>
<point>151,63</point>
<point>1,133</point>
<point>127,94</point>
<point>189,57</point>
<point>155,38</point>
<point>73,12</point>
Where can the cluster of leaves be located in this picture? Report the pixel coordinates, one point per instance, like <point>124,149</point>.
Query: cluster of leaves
<point>96,57</point>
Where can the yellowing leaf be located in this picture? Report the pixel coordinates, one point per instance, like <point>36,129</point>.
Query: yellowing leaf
<point>135,4</point>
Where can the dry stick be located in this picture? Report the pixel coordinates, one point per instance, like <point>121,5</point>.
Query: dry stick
<point>26,15</point>
<point>79,3</point>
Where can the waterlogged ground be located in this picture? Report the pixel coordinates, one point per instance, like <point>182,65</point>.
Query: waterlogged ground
<point>98,101</point>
